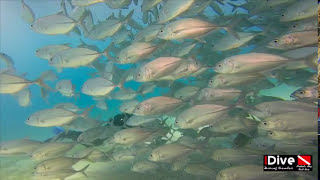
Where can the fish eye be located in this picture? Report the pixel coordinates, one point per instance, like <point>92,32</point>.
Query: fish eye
<point>276,40</point>
<point>138,107</point>
<point>265,123</point>
<point>139,74</point>
<point>31,25</point>
<point>161,31</point>
<point>150,155</point>
<point>301,92</point>
<point>294,26</point>
<point>211,81</point>
<point>282,15</point>
<point>219,65</point>
<point>270,133</point>
<point>176,122</point>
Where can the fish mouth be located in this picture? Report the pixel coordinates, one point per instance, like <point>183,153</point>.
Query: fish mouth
<point>293,96</point>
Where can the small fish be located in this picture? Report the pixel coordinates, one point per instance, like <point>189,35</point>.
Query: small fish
<point>200,170</point>
<point>74,57</point>
<point>53,117</point>
<point>8,61</point>
<point>27,13</point>
<point>148,34</point>
<point>310,92</point>
<point>47,52</point>
<point>149,4</point>
<point>108,28</point>
<point>188,28</point>
<point>62,174</point>
<point>249,63</point>
<point>184,50</point>
<point>300,10</point>
<point>290,121</point>
<point>124,94</point>
<point>124,155</point>
<point>236,155</point>
<point>131,136</point>
<point>200,115</point>
<point>267,109</point>
<point>97,87</point>
<point>281,135</point>
<point>157,68</point>
<point>157,106</point>
<point>19,146</point>
<point>51,150</point>
<point>101,104</point>
<point>85,2</point>
<point>169,152</point>
<point>24,97</point>
<point>229,42</point>
<point>118,4</point>
<point>217,95</point>
<point>233,80</point>
<point>242,172</point>
<point>128,106</point>
<point>294,40</point>
<point>95,133</point>
<point>56,164</point>
<point>54,24</point>
<point>66,88</point>
<point>144,166</point>
<point>11,84</point>
<point>173,8</point>
<point>305,25</point>
<point>186,93</point>
<point>140,120</point>
<point>232,125</point>
<point>135,52</point>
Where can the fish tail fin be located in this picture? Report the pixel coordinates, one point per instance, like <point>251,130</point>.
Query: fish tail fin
<point>80,23</point>
<point>86,112</point>
<point>128,17</point>
<point>106,52</point>
<point>230,28</point>
<point>235,6</point>
<point>241,101</point>
<point>86,157</point>
<point>84,169</point>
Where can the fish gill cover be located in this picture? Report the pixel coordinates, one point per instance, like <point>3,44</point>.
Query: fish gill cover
<point>168,89</point>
